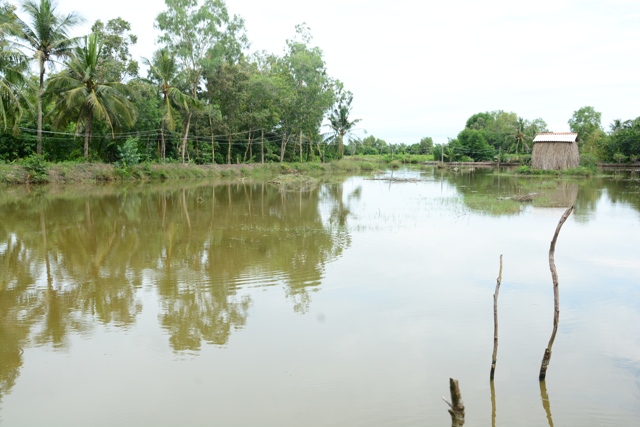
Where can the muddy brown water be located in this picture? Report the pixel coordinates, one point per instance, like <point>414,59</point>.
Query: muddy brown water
<point>238,304</point>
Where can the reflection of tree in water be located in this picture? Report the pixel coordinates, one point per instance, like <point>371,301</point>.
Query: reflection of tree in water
<point>219,239</point>
<point>624,189</point>
<point>16,312</point>
<point>73,260</point>
<point>486,192</point>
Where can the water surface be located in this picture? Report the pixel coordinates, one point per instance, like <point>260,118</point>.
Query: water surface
<point>239,304</point>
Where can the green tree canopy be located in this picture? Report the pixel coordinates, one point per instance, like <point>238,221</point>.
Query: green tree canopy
<point>339,120</point>
<point>585,122</point>
<point>81,94</point>
<point>164,72</point>
<point>116,39</point>
<point>46,37</point>
<point>13,71</point>
<point>201,37</point>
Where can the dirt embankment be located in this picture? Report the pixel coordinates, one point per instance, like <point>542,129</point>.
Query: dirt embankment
<point>17,174</point>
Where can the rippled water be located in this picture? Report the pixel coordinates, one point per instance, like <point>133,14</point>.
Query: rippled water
<point>238,304</point>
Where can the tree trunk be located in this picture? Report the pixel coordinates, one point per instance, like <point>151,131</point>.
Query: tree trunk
<point>556,296</point>
<point>247,150</point>
<point>163,146</point>
<point>183,149</point>
<point>229,139</point>
<point>340,145</point>
<point>262,144</point>
<point>320,151</point>
<point>300,146</point>
<point>87,134</point>
<point>283,146</point>
<point>213,143</point>
<point>40,92</point>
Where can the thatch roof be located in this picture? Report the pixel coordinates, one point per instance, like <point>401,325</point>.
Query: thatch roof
<point>555,150</point>
<point>556,137</point>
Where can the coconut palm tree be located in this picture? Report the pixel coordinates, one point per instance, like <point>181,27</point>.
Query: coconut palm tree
<point>82,97</point>
<point>46,36</point>
<point>13,71</point>
<point>163,69</point>
<point>339,120</point>
<point>519,137</point>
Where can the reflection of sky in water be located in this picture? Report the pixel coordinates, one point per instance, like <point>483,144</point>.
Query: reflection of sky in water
<point>407,305</point>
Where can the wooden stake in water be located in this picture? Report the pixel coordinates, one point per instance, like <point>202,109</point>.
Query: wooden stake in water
<point>495,323</point>
<point>556,296</point>
<point>456,405</point>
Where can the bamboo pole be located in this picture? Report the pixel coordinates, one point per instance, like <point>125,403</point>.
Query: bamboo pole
<point>556,296</point>
<point>495,323</point>
<point>456,406</point>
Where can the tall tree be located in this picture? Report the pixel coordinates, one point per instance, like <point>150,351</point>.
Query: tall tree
<point>339,120</point>
<point>163,70</point>
<point>46,35</point>
<point>313,89</point>
<point>519,137</point>
<point>200,36</point>
<point>585,121</point>
<point>229,86</point>
<point>82,95</point>
<point>116,39</point>
<point>13,70</point>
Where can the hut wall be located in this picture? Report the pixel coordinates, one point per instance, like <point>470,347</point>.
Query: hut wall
<point>555,155</point>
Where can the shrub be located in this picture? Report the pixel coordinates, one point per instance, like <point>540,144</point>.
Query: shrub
<point>525,159</point>
<point>588,160</point>
<point>36,169</point>
<point>128,153</point>
<point>619,158</point>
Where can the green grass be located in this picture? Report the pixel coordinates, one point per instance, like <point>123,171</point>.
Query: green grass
<point>491,204</point>
<point>585,171</point>
<point>33,171</point>
<point>295,182</point>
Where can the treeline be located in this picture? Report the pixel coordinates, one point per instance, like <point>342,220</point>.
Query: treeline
<point>204,98</point>
<point>505,136</point>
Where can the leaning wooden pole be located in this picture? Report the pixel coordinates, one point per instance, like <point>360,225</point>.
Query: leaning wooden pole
<point>456,406</point>
<point>495,323</point>
<point>556,296</point>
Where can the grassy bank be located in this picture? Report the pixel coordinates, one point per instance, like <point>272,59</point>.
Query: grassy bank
<point>35,171</point>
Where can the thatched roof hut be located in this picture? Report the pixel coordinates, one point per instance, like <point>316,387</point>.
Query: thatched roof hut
<point>555,151</point>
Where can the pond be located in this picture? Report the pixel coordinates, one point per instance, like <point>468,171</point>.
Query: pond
<point>352,304</point>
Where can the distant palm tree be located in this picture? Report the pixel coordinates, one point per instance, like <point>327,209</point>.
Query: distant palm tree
<point>82,97</point>
<point>339,121</point>
<point>165,72</point>
<point>46,36</point>
<point>519,138</point>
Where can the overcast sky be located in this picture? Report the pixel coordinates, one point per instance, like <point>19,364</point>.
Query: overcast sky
<point>421,68</point>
